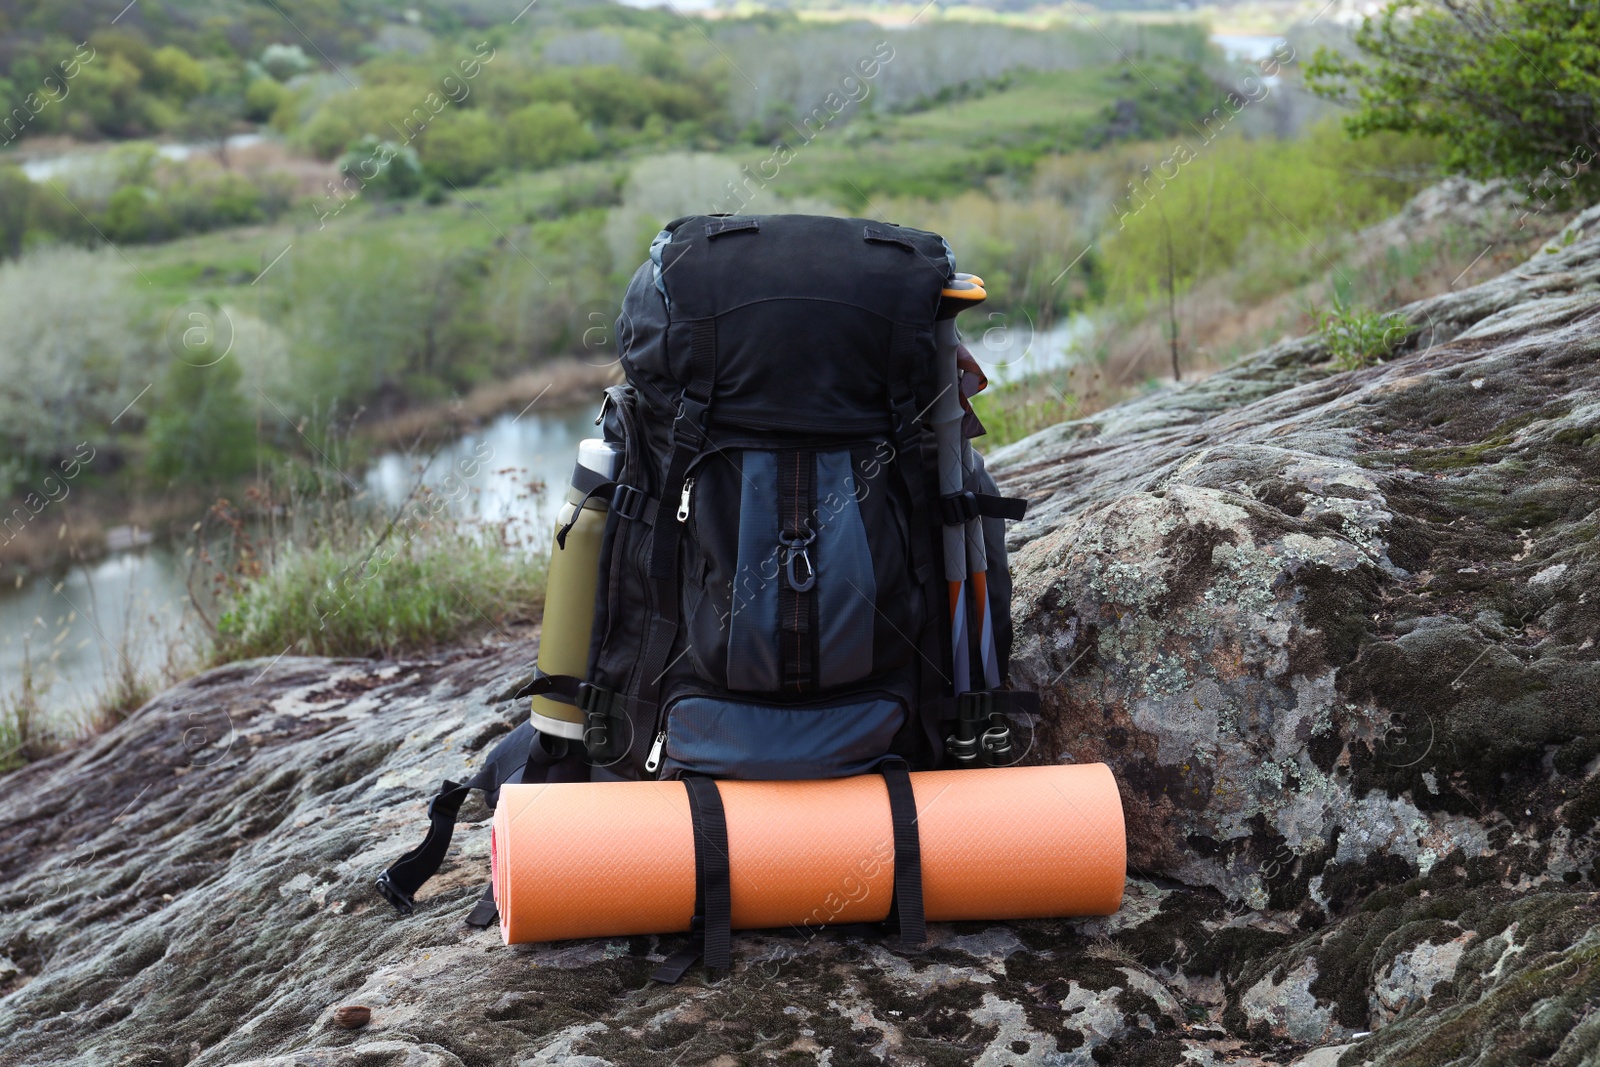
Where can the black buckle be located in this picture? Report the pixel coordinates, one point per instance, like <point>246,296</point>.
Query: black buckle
<point>691,420</point>
<point>628,501</point>
<point>448,788</point>
<point>975,707</point>
<point>958,509</point>
<point>391,892</point>
<point>598,705</point>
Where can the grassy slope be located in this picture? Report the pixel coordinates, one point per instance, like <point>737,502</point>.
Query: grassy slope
<point>942,150</point>
<point>931,153</point>
<point>222,265</point>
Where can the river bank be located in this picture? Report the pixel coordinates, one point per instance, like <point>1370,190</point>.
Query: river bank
<point>43,537</point>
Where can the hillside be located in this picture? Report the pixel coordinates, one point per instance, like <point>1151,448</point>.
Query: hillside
<point>1331,630</point>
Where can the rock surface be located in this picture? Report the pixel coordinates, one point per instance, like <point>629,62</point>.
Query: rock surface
<point>1334,631</point>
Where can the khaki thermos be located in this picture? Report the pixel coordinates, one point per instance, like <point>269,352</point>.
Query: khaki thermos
<point>569,592</point>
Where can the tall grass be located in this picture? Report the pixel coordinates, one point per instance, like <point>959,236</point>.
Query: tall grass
<point>25,734</point>
<point>315,570</point>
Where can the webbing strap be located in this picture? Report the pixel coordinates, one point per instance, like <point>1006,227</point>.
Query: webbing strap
<point>981,703</point>
<point>907,908</point>
<point>958,509</point>
<point>563,687</point>
<point>712,936</point>
<point>907,445</point>
<point>484,913</point>
<point>399,884</point>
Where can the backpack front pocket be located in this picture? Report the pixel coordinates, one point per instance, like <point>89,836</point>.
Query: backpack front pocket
<point>798,574</point>
<point>769,742</point>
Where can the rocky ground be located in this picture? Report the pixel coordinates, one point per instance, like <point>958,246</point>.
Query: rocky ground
<point>1332,630</point>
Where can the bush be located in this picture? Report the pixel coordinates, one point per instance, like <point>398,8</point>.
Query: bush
<point>135,213</point>
<point>1511,87</point>
<point>176,73</point>
<point>382,170</point>
<point>262,99</point>
<point>461,147</point>
<point>16,201</point>
<point>284,61</point>
<point>202,430</point>
<point>542,135</point>
<point>1356,337</point>
<point>375,315</point>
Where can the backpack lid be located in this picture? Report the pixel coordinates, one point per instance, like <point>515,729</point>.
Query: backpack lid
<point>815,319</point>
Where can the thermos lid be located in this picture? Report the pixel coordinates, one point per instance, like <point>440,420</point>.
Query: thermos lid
<point>598,456</point>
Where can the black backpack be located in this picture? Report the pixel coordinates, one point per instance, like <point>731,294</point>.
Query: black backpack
<point>773,599</point>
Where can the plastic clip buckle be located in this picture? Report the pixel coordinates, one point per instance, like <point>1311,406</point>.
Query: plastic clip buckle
<point>628,501</point>
<point>958,509</point>
<point>402,903</point>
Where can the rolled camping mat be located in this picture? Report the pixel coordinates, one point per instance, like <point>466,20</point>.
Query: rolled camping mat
<point>607,859</point>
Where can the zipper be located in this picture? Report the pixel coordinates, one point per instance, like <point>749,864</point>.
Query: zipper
<point>652,762</point>
<point>683,500</point>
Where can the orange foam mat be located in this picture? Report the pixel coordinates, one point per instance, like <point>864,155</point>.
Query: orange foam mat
<point>606,859</point>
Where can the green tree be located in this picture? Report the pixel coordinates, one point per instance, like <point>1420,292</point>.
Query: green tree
<point>135,213</point>
<point>542,135</point>
<point>263,97</point>
<point>202,431</point>
<point>1510,87</point>
<point>174,72</point>
<point>211,119</point>
<point>382,170</point>
<point>461,147</point>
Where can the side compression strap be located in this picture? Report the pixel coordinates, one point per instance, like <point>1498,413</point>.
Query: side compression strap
<point>906,911</point>
<point>399,884</point>
<point>712,932</point>
<point>958,509</point>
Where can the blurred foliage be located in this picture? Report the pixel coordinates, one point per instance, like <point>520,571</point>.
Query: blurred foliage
<point>382,170</point>
<point>1510,87</point>
<point>1211,205</point>
<point>64,373</point>
<point>201,431</point>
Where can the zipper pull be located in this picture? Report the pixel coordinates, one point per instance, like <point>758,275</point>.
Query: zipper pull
<point>654,759</point>
<point>683,501</point>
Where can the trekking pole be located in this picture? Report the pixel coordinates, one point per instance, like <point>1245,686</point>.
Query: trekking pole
<point>977,551</point>
<point>958,295</point>
<point>978,579</point>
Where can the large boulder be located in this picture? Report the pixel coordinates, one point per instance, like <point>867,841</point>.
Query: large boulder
<point>1334,632</point>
